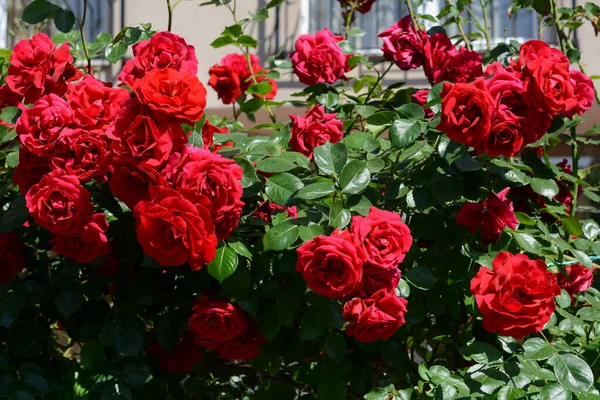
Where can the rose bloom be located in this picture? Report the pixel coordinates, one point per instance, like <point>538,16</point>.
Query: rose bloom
<point>504,139</point>
<point>95,103</point>
<point>382,237</point>
<point>314,129</point>
<point>83,155</point>
<point>458,66</point>
<point>376,279</point>
<point>130,182</point>
<point>142,138</point>
<point>319,59</point>
<point>516,296</point>
<point>491,216</point>
<point>467,112</point>
<point>31,170</point>
<point>12,261</point>
<point>176,95</point>
<point>214,177</point>
<point>267,209</point>
<point>175,230</point>
<point>403,43</point>
<point>216,321</point>
<point>126,75</point>
<point>226,83</point>
<point>162,50</point>
<point>38,68</point>
<point>182,358</point>
<point>40,127</point>
<point>60,204</point>
<point>332,266</point>
<point>420,97</point>
<point>208,132</point>
<point>242,347</point>
<point>436,50</point>
<point>374,318</point>
<point>362,6</point>
<point>576,278</point>
<point>584,93</point>
<point>86,245</point>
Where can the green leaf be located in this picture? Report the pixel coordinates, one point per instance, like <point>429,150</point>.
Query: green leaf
<point>241,249</point>
<point>335,347</point>
<point>355,177</point>
<point>224,264</point>
<point>420,277</point>
<point>316,190</point>
<point>329,99</point>
<point>511,393</point>
<point>312,326</point>
<point>445,392</point>
<point>563,299</point>
<point>331,158</point>
<point>404,132</point>
<point>362,141</point>
<point>136,374</point>
<point>64,20</point>
<point>274,164</point>
<point>524,219</point>
<point>283,64</point>
<point>274,3</point>
<point>382,118</point>
<point>332,388</point>
<point>347,47</point>
<point>356,32</point>
<point>12,160</point>
<point>38,11</point>
<point>573,373</point>
<point>68,301</point>
<point>246,40</point>
<point>310,232</point>
<point>115,52</point>
<point>6,134</point>
<point>572,226</point>
<point>555,391</point>
<point>583,258</point>
<point>339,217</point>
<point>537,349</point>
<point>11,305</point>
<point>280,237</point>
<point>591,229</point>
<point>545,187</point>
<point>128,340</point>
<point>482,353</point>
<point>222,41</point>
<point>260,88</point>
<point>92,356</point>
<point>281,187</point>
<point>528,243</point>
<point>233,30</point>
<point>10,114</point>
<point>253,105</point>
<point>237,285</point>
<point>261,15</point>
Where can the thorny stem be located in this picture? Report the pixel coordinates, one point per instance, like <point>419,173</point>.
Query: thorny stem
<point>486,24</point>
<point>235,113</point>
<point>170,9</point>
<point>84,44</point>
<point>348,21</point>
<point>413,15</point>
<point>462,33</point>
<point>248,59</point>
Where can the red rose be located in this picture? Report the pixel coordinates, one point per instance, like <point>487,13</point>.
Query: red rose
<point>174,94</point>
<point>208,132</point>
<point>271,95</point>
<point>40,127</point>
<point>459,66</point>
<point>214,177</point>
<point>377,317</point>
<point>37,68</point>
<point>584,93</point>
<point>174,230</point>
<point>131,183</point>
<point>31,170</point>
<point>332,266</point>
<point>238,64</point>
<point>421,98</point>
<point>382,237</point>
<point>504,139</point>
<point>267,209</point>
<point>548,83</point>
<point>578,278</point>
<point>163,50</point>
<point>181,359</point>
<point>242,347</point>
<point>87,244</point>
<point>516,297</point>
<point>94,103</point>
<point>60,204</point>
<point>403,44</point>
<point>8,98</point>
<point>531,51</point>
<point>12,261</point>
<point>436,50</point>
<point>216,321</point>
<point>507,90</point>
<point>319,59</point>
<point>362,6</point>
<point>126,75</point>
<point>492,216</point>
<point>467,112</point>
<point>376,279</point>
<point>142,138</point>
<point>226,83</point>
<point>314,129</point>
<point>83,155</point>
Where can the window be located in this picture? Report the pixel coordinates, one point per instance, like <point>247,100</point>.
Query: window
<point>327,13</point>
<point>99,16</point>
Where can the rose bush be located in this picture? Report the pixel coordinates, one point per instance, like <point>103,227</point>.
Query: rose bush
<point>383,242</point>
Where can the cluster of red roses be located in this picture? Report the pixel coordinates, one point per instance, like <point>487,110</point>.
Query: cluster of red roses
<point>514,106</point>
<point>184,199</point>
<point>233,76</point>
<point>214,325</point>
<point>516,296</point>
<point>314,129</point>
<point>361,265</point>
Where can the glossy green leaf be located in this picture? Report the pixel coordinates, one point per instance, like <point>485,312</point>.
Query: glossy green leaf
<point>331,158</point>
<point>281,187</point>
<point>280,237</point>
<point>573,373</point>
<point>355,177</point>
<point>224,264</point>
